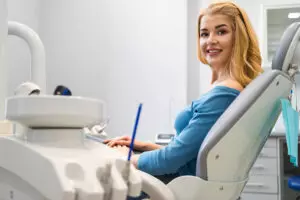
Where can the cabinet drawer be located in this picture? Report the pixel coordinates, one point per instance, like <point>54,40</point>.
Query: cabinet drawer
<point>246,196</point>
<point>268,153</point>
<point>262,184</point>
<point>264,166</point>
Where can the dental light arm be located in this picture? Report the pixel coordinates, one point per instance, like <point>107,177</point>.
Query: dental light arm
<point>37,50</point>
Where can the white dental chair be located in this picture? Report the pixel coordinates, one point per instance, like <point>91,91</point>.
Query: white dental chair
<point>234,142</point>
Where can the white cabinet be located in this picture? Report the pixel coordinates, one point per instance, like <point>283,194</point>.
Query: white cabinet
<point>263,177</point>
<point>262,184</point>
<point>264,166</point>
<point>246,196</point>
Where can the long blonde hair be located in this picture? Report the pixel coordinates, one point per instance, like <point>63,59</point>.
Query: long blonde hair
<point>245,62</point>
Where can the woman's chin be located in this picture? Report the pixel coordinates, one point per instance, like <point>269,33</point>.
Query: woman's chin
<point>216,63</point>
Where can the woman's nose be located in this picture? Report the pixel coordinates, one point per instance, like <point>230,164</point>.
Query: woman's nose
<point>212,39</point>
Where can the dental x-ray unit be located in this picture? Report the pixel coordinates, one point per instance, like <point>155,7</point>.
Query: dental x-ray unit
<point>54,161</point>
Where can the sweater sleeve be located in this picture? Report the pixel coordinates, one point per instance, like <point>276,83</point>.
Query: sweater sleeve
<point>185,146</point>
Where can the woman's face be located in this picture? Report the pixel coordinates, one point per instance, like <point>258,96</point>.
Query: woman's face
<point>216,39</point>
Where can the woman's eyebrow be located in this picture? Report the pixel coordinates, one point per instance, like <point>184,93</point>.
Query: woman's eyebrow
<point>216,27</point>
<point>219,26</point>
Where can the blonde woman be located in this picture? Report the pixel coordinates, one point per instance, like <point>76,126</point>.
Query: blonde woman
<point>228,45</point>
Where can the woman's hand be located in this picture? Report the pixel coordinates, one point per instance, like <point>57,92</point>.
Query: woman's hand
<point>123,149</point>
<point>125,141</point>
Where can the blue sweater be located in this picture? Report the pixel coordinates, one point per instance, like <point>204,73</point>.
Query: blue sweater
<point>192,125</point>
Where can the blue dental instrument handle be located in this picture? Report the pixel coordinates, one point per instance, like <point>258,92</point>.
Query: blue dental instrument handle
<point>134,131</point>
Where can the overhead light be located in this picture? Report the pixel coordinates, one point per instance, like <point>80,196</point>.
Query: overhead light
<point>294,15</point>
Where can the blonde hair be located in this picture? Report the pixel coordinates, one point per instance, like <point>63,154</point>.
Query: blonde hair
<point>245,62</point>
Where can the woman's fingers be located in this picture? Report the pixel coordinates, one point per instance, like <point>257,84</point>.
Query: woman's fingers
<point>118,143</point>
<point>112,143</point>
<point>123,149</point>
<point>106,141</point>
<point>125,138</point>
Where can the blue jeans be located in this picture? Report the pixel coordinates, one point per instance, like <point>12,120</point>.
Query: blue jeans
<point>164,178</point>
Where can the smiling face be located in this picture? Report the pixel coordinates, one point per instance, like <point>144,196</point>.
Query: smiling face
<point>216,40</point>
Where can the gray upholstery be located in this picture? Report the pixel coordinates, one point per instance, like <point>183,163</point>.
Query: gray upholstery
<point>231,116</point>
<point>286,40</point>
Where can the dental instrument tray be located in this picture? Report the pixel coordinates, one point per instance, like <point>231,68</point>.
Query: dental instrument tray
<point>54,111</point>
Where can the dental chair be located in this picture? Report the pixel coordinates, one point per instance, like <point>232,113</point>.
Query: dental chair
<point>235,141</point>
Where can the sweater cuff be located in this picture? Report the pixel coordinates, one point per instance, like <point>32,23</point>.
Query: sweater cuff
<point>142,162</point>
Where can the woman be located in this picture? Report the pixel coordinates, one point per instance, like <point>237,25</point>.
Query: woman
<point>228,44</point>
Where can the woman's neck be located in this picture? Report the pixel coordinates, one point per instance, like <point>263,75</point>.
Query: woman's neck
<point>219,76</point>
<point>224,79</point>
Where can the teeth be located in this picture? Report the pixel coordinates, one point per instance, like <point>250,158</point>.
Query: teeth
<point>213,51</point>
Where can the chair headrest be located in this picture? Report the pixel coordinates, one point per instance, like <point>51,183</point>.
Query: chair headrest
<point>286,50</point>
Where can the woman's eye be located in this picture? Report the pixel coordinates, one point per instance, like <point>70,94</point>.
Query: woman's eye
<point>203,34</point>
<point>222,32</point>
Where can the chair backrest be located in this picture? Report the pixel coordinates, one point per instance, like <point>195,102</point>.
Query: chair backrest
<point>235,141</point>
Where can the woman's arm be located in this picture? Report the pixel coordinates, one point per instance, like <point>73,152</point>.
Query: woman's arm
<point>184,148</point>
<point>151,146</point>
<point>138,145</point>
<point>134,160</point>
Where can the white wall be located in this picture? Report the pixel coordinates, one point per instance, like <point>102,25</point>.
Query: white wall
<point>18,55</point>
<point>124,52</point>
<point>193,64</point>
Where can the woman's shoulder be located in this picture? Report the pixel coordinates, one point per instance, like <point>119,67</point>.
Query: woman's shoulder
<point>217,99</point>
<point>233,84</point>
